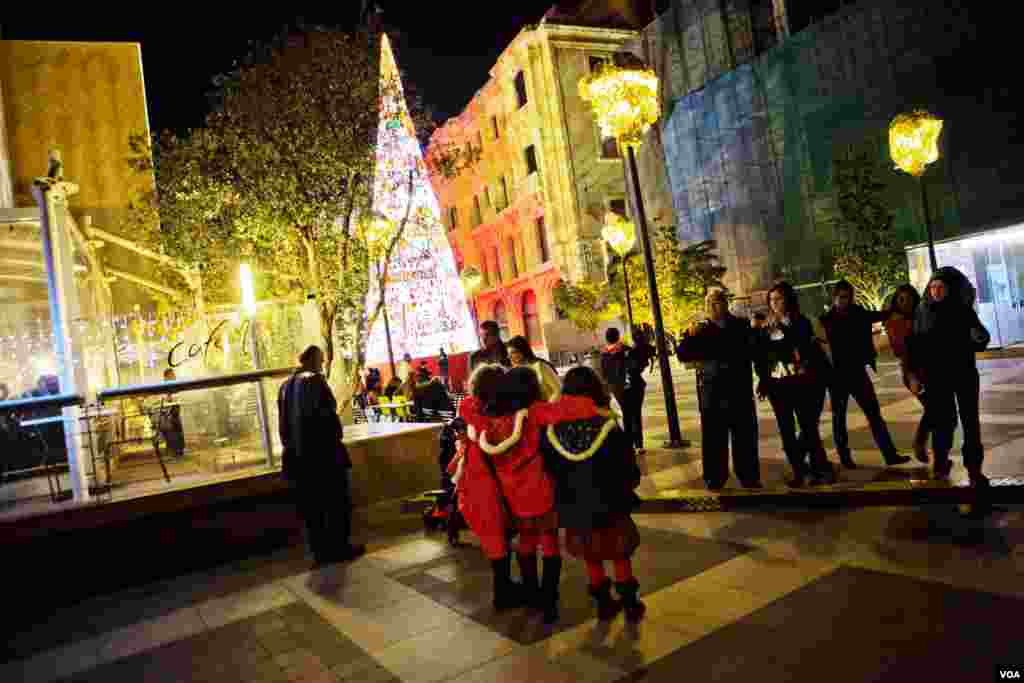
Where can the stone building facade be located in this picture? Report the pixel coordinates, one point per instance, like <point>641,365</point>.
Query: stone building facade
<point>528,211</point>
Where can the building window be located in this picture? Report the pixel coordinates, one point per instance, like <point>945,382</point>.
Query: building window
<point>504,190</point>
<point>531,160</point>
<point>618,206</point>
<point>487,196</point>
<point>520,84</point>
<point>542,241</point>
<point>512,253</point>
<point>485,272</point>
<point>531,319</point>
<point>479,140</point>
<point>453,218</point>
<point>478,216</point>
<point>497,264</point>
<point>596,63</point>
<point>494,124</point>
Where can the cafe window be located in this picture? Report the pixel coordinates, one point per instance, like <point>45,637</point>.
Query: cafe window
<point>531,319</point>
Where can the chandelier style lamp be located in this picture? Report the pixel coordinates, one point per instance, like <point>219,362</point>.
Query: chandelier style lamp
<point>624,97</point>
<point>913,145</point>
<point>620,235</point>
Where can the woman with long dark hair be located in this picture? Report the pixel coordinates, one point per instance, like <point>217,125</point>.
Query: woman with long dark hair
<point>794,370</point>
<point>522,355</point>
<point>898,328</point>
<point>944,370</point>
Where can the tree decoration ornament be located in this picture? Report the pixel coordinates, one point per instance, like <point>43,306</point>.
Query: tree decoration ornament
<point>914,141</point>
<point>625,102</point>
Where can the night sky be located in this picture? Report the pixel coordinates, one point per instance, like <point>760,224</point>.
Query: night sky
<point>444,54</point>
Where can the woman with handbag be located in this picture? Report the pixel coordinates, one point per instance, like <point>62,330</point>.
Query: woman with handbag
<point>793,369</point>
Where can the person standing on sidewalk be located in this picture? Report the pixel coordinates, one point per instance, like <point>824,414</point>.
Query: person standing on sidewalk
<point>793,368</point>
<point>494,350</point>
<point>726,345</point>
<point>614,364</point>
<point>898,327</point>
<point>848,328</point>
<point>641,358</point>
<point>944,370</point>
<point>316,461</point>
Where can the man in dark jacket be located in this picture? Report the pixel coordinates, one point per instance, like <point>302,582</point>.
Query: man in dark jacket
<point>615,368</point>
<point>315,460</point>
<point>725,344</point>
<point>848,327</point>
<point>494,350</point>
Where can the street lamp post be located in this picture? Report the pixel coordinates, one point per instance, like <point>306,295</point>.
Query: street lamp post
<point>621,237</point>
<point>913,144</point>
<point>625,103</point>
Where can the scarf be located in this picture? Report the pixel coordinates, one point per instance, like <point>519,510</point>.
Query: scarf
<point>615,348</point>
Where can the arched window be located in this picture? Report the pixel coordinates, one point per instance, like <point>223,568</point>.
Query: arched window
<point>501,317</point>
<point>531,319</point>
<point>496,257</point>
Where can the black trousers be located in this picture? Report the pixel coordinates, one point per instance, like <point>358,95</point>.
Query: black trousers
<point>847,382</point>
<point>632,403</point>
<point>326,508</point>
<point>797,403</point>
<point>948,394</point>
<point>733,418</point>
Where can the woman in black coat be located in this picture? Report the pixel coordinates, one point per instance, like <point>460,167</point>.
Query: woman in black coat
<point>794,370</point>
<point>595,471</point>
<point>943,370</point>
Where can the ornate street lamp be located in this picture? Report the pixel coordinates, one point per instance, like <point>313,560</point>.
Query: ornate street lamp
<point>621,237</point>
<point>472,281</point>
<point>379,231</point>
<point>913,144</point>
<point>624,98</point>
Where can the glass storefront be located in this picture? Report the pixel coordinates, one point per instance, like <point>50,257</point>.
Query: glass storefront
<point>152,399</point>
<point>994,261</point>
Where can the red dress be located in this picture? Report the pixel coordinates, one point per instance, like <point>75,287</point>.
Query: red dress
<point>478,494</point>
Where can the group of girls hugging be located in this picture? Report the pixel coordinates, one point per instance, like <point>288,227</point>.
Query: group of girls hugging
<point>529,467</point>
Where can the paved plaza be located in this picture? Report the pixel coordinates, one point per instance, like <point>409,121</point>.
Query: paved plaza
<point>772,594</point>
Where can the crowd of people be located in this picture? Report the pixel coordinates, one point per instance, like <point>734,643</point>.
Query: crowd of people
<point>798,359</point>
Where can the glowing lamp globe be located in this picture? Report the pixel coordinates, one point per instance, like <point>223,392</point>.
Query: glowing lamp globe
<point>472,281</point>
<point>248,290</point>
<point>625,102</point>
<point>914,141</point>
<point>619,233</point>
<point>379,231</point>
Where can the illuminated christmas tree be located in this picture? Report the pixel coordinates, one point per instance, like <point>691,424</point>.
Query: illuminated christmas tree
<point>426,305</point>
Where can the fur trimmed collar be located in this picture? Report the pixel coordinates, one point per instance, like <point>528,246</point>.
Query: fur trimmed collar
<point>571,452</point>
<point>517,433</point>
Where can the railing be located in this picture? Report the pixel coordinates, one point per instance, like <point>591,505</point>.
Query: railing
<point>36,403</point>
<point>173,387</point>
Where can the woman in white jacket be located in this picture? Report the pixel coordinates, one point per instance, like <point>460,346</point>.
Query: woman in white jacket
<point>521,354</point>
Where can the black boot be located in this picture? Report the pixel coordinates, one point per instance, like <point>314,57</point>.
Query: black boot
<point>549,588</point>
<point>506,593</point>
<point>531,587</point>
<point>942,466</point>
<point>628,590</point>
<point>607,606</point>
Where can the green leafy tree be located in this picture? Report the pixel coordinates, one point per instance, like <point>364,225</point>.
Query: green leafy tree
<point>586,304</point>
<point>279,175</point>
<point>684,275</point>
<point>866,249</point>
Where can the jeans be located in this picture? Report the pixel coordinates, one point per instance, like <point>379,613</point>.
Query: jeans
<point>799,403</point>
<point>855,382</point>
<point>947,395</point>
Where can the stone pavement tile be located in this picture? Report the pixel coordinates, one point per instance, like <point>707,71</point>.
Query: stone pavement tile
<point>856,625</point>
<point>407,555</point>
<point>532,666</point>
<point>52,665</point>
<point>151,634</point>
<point>617,644</point>
<point>238,606</point>
<point>358,592</point>
<point>444,653</point>
<point>365,670</point>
